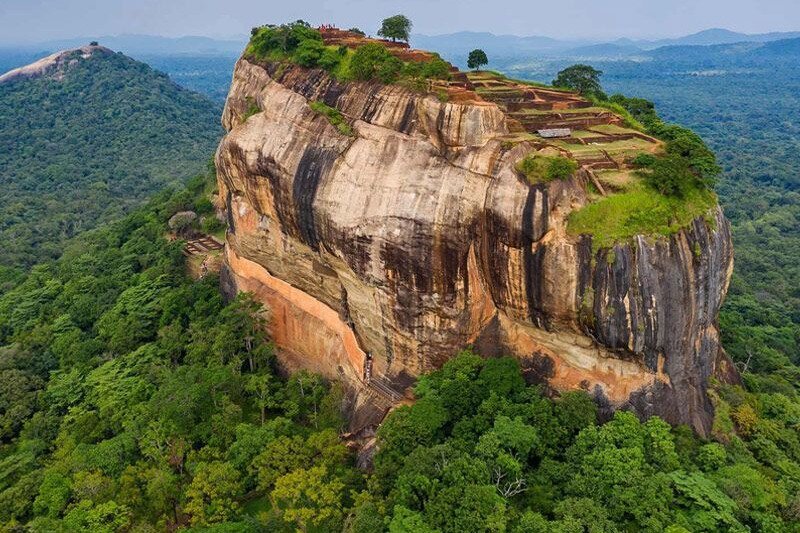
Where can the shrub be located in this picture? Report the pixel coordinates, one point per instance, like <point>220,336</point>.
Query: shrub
<point>642,110</point>
<point>560,168</point>
<point>211,224</point>
<point>671,176</point>
<point>334,116</point>
<point>309,52</point>
<point>644,160</point>
<point>374,62</point>
<point>284,39</point>
<point>416,74</point>
<point>436,68</point>
<point>330,58</point>
<point>252,109</point>
<point>542,169</point>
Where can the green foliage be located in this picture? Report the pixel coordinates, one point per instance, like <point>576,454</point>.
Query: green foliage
<point>688,164</point>
<point>639,211</point>
<point>418,73</point>
<point>581,78</point>
<point>542,169</point>
<point>477,59</point>
<point>677,187</point>
<point>310,498</point>
<point>671,176</point>
<point>480,451</point>
<point>285,39</point>
<point>332,60</point>
<point>396,27</point>
<point>299,44</point>
<point>157,406</point>
<point>90,147</point>
<point>644,160</point>
<point>334,116</point>
<point>252,109</point>
<point>212,496</point>
<point>309,53</point>
<point>373,62</point>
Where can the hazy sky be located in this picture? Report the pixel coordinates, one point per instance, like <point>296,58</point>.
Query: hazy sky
<point>38,20</point>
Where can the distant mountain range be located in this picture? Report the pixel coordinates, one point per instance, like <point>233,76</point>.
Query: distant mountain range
<point>739,51</point>
<point>454,45</point>
<point>148,45</point>
<point>710,37</point>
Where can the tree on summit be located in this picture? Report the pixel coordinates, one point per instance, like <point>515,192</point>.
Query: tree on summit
<point>396,27</point>
<point>581,78</point>
<point>477,58</point>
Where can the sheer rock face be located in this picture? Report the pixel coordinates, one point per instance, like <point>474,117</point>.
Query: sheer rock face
<point>415,237</point>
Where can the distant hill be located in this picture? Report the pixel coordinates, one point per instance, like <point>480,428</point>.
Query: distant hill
<point>735,51</point>
<point>606,51</point>
<point>133,45</point>
<point>455,46</point>
<point>87,134</point>
<point>718,36</point>
<point>723,53</point>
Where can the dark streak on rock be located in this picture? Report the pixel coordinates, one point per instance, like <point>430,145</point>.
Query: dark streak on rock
<point>229,212</point>
<point>533,261</point>
<point>313,165</point>
<point>266,167</point>
<point>406,123</point>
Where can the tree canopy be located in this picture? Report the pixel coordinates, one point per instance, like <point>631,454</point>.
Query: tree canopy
<point>581,78</point>
<point>396,27</point>
<point>477,58</point>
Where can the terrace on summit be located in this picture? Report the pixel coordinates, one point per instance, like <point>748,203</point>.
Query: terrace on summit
<point>556,121</point>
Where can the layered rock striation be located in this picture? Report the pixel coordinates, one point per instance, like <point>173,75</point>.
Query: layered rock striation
<point>415,236</point>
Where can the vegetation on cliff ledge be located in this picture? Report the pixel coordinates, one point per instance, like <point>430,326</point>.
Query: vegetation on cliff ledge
<point>669,189</point>
<point>640,210</point>
<point>300,44</point>
<point>542,168</point>
<point>334,116</point>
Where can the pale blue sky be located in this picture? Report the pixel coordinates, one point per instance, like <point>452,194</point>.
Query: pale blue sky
<point>38,20</point>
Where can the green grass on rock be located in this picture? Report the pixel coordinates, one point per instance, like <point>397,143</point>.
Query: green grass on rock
<point>639,211</point>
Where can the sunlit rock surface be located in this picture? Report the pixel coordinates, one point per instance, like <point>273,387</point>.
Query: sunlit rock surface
<point>415,237</point>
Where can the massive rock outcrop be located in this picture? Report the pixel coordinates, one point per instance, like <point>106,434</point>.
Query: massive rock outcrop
<point>415,237</point>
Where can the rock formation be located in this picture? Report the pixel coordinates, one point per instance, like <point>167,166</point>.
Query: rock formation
<point>55,64</point>
<point>415,237</point>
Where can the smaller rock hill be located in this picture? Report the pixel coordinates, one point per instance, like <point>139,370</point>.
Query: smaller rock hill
<point>87,134</point>
<point>55,65</point>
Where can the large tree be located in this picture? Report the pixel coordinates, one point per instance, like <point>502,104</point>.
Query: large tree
<point>581,78</point>
<point>477,58</point>
<point>396,27</point>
